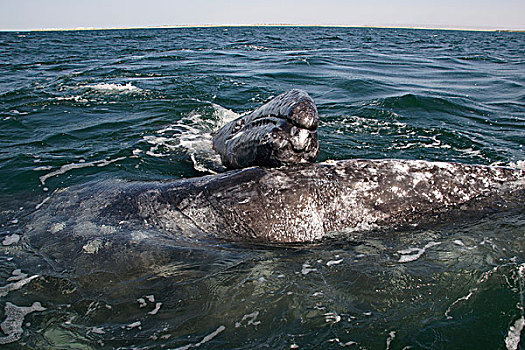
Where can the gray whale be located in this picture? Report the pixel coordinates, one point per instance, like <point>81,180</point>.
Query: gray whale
<point>291,204</point>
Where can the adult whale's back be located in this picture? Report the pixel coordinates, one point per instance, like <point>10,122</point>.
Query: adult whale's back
<point>300,203</point>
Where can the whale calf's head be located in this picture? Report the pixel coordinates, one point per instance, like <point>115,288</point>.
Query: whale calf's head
<point>282,131</point>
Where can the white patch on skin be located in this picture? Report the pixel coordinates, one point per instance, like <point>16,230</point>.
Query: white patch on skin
<point>421,177</point>
<point>401,167</point>
<point>92,247</point>
<point>300,139</point>
<point>137,236</point>
<point>237,135</point>
<point>438,195</point>
<point>57,227</point>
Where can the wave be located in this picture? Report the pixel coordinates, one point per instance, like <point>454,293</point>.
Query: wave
<point>380,134</point>
<point>483,58</point>
<point>408,101</point>
<point>329,38</point>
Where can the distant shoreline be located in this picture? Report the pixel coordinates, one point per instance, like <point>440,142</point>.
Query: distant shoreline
<point>260,25</point>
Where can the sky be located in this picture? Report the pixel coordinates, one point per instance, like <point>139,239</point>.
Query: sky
<point>68,14</point>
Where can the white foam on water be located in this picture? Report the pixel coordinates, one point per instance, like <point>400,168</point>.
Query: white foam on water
<point>42,203</point>
<point>133,325</point>
<point>98,330</point>
<point>114,88</point>
<point>521,283</point>
<point>463,298</point>
<point>192,135</point>
<point>17,275</point>
<point>257,47</point>
<point>251,320</point>
<point>14,319</point>
<point>16,285</point>
<point>151,298</point>
<point>513,338</point>
<point>204,340</point>
<point>334,262</point>
<point>156,309</point>
<point>412,254</point>
<point>76,98</point>
<point>332,317</point>
<point>82,164</point>
<point>43,168</point>
<point>307,268</point>
<point>391,337</point>
<point>11,239</point>
<point>340,343</point>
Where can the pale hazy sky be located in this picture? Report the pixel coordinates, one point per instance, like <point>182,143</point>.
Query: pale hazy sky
<point>469,14</point>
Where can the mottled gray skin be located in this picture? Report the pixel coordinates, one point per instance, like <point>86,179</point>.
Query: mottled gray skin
<point>301,203</point>
<point>282,131</point>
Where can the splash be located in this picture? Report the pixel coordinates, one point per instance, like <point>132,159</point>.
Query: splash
<point>192,135</point>
<point>109,88</point>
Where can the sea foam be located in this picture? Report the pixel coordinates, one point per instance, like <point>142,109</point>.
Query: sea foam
<point>192,135</point>
<point>114,88</point>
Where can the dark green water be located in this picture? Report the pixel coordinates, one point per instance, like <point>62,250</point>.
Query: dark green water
<point>83,107</point>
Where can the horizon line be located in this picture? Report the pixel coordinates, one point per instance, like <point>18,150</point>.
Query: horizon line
<point>174,26</point>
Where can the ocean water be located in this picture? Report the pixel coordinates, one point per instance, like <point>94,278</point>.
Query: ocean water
<point>81,107</point>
